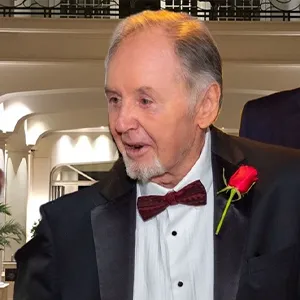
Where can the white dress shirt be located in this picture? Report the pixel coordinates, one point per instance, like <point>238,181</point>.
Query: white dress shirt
<point>174,254</point>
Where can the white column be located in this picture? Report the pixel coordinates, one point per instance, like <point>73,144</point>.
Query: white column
<point>38,188</point>
<point>2,167</point>
<point>16,191</point>
<point>2,195</point>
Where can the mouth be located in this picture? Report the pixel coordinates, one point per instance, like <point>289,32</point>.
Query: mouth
<point>135,150</point>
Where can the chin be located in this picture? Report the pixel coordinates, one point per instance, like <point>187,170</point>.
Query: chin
<point>143,171</point>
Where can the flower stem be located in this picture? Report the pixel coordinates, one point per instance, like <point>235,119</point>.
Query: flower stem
<point>232,193</point>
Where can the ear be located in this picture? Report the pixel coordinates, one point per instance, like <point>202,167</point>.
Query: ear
<point>208,106</point>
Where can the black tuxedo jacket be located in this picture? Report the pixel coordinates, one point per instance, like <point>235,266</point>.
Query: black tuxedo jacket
<point>85,243</point>
<point>274,119</point>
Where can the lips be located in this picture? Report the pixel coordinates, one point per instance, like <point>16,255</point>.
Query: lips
<point>135,150</point>
<point>134,146</point>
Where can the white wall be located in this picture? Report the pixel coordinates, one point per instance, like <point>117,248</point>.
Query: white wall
<point>39,190</point>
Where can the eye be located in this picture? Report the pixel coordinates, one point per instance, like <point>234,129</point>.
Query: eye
<point>114,100</point>
<point>145,101</point>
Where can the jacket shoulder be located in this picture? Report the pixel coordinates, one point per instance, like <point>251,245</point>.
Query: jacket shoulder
<point>74,204</point>
<point>279,99</point>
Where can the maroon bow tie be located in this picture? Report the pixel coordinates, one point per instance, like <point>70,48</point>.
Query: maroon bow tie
<point>193,194</point>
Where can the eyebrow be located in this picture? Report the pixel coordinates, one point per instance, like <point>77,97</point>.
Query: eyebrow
<point>108,90</point>
<point>142,89</point>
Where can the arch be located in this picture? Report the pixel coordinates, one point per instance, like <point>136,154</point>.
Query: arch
<point>38,125</point>
<point>16,106</point>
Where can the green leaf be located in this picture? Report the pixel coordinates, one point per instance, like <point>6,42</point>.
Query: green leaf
<point>4,209</point>
<point>10,230</point>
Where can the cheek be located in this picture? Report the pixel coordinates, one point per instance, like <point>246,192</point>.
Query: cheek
<point>168,149</point>
<point>167,141</point>
<point>119,144</point>
<point>173,139</point>
<point>114,134</point>
<point>111,116</point>
<point>112,123</point>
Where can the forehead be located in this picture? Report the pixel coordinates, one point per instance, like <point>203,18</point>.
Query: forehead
<point>145,55</point>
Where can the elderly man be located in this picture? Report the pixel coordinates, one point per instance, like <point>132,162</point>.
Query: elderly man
<point>157,228</point>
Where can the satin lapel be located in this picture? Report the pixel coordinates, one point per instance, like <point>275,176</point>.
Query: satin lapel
<point>229,245</point>
<point>113,226</point>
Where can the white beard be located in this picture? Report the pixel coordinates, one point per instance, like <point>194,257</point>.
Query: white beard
<point>143,172</point>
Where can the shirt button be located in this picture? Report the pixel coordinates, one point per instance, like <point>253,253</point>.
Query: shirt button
<point>174,233</point>
<point>180,283</point>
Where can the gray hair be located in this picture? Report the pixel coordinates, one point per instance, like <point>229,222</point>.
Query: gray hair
<point>193,44</point>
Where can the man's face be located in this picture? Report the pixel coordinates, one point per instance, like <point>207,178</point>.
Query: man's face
<point>148,106</point>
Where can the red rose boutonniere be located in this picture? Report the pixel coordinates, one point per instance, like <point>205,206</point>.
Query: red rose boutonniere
<point>239,184</point>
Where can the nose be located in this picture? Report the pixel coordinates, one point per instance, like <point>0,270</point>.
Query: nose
<point>126,119</point>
